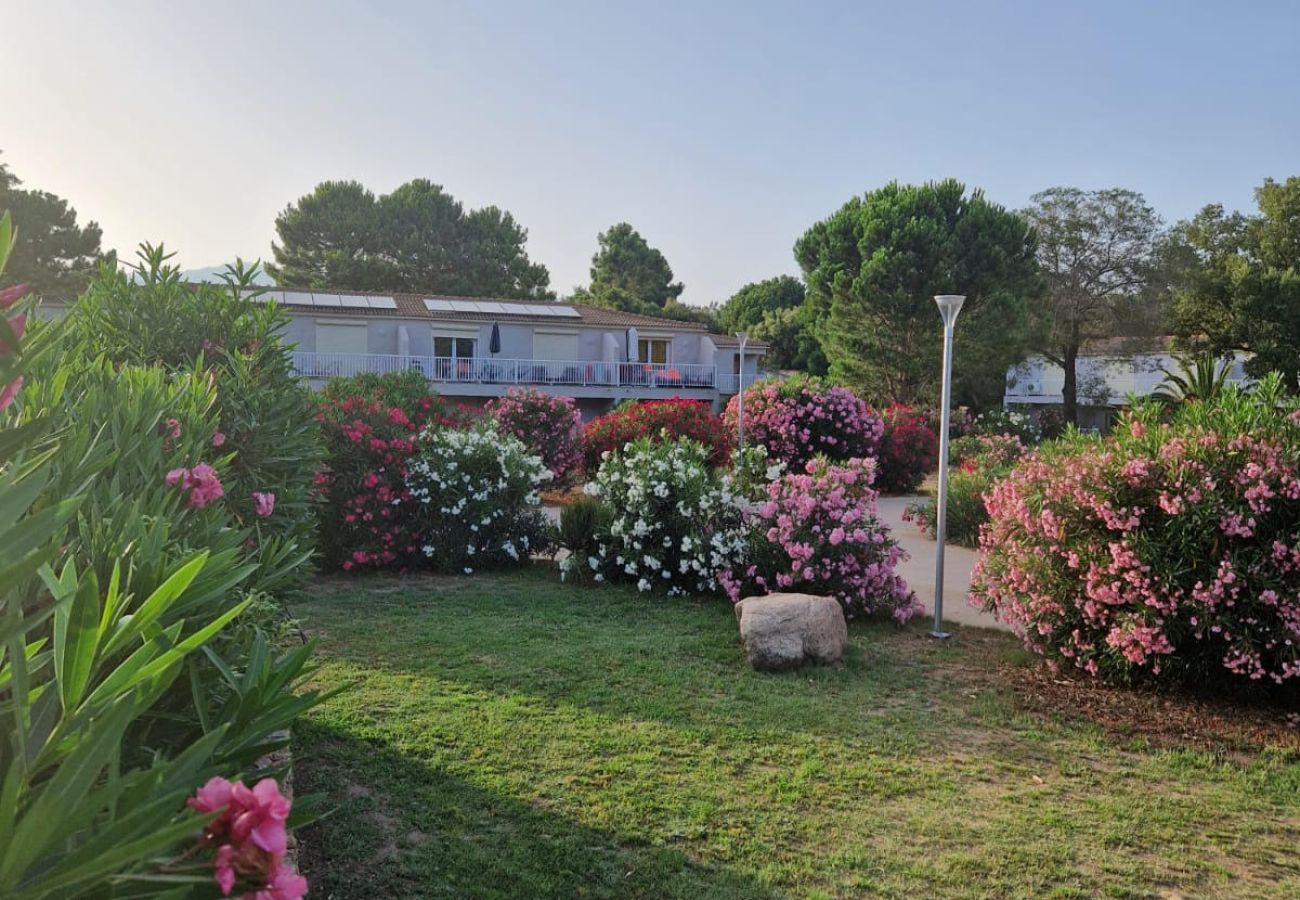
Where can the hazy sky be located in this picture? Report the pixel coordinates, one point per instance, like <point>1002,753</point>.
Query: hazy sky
<point>720,131</point>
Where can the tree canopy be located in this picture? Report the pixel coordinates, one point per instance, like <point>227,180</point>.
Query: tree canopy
<point>873,268</point>
<point>747,307</point>
<point>54,254</point>
<point>417,238</point>
<point>1097,251</point>
<point>628,274</point>
<point>1237,281</point>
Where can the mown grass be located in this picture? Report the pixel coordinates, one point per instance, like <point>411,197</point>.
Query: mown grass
<point>511,737</point>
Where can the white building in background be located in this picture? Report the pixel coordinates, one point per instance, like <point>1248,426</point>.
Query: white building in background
<point>1108,372</point>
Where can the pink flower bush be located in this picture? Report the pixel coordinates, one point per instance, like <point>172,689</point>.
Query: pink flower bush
<point>1167,549</point>
<point>250,838</point>
<point>18,325</point>
<point>817,532</point>
<point>201,482</point>
<point>550,427</point>
<point>802,417</point>
<point>263,503</point>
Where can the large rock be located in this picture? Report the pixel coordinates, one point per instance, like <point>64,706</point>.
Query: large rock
<point>781,631</point>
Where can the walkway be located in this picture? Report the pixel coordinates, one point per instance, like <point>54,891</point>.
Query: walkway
<point>918,570</point>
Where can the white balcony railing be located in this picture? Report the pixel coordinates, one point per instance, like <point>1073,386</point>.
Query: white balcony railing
<point>489,370</point>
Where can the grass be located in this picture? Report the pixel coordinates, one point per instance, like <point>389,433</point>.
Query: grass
<point>511,737</point>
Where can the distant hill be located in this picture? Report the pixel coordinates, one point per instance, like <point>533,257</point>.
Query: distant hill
<point>213,274</point>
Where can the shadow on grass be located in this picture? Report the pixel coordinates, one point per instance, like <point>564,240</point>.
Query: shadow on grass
<point>677,661</point>
<point>403,828</point>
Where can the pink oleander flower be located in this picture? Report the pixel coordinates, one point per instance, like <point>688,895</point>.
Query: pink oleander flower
<point>250,837</point>
<point>9,392</point>
<point>172,428</point>
<point>202,483</point>
<point>218,439</point>
<point>11,295</point>
<point>263,503</point>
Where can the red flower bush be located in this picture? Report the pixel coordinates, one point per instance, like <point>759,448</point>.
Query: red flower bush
<point>370,428</point>
<point>909,450</point>
<point>550,427</point>
<point>1166,549</point>
<point>801,417</point>
<point>679,417</point>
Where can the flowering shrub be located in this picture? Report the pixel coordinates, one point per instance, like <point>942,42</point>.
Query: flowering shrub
<point>674,521</point>
<point>978,460</point>
<point>370,426</point>
<point>250,838</point>
<point>909,450</point>
<point>473,499</point>
<point>675,418</point>
<point>801,417</point>
<point>1008,421</point>
<point>550,427</point>
<point>817,532</point>
<point>1166,549</point>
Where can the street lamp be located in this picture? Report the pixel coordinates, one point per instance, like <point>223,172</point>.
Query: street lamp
<point>741,336</point>
<point>949,306</point>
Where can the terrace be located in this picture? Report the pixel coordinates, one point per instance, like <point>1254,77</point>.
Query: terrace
<point>487,375</point>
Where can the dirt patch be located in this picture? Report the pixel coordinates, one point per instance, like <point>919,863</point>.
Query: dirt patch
<point>1165,720</point>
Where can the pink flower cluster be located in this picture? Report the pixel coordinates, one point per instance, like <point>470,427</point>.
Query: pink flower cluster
<point>802,417</point>
<point>201,482</point>
<point>17,324</point>
<point>817,532</point>
<point>250,838</point>
<point>550,427</point>
<point>1166,548</point>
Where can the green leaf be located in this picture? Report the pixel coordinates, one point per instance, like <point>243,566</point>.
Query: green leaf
<point>76,638</point>
<point>157,603</point>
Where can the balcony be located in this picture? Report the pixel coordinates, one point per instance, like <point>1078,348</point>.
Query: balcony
<point>481,374</point>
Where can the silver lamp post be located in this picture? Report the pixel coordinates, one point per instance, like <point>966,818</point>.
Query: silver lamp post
<point>741,336</point>
<point>949,306</point>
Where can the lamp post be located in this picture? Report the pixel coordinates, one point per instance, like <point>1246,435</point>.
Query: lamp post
<point>741,336</point>
<point>949,306</point>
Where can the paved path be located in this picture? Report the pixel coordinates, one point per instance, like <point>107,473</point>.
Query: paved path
<point>918,570</point>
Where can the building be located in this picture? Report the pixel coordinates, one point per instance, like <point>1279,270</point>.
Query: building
<point>473,349</point>
<point>1108,372</point>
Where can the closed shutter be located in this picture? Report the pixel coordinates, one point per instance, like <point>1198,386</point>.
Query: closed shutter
<point>555,346</point>
<point>340,337</point>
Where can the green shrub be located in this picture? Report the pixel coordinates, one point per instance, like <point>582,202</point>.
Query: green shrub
<point>582,524</point>
<point>977,462</point>
<point>130,667</point>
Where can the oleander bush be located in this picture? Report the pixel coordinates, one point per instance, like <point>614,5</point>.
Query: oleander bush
<point>132,667</point>
<point>656,420</point>
<point>1166,550</point>
<point>473,499</point>
<point>550,427</point>
<point>1009,421</point>
<point>674,519</point>
<point>370,425</point>
<point>909,450</point>
<point>977,462</point>
<point>817,532</point>
<point>801,417</point>
<point>264,416</point>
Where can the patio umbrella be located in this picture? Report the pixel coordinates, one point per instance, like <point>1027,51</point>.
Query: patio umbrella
<point>494,342</point>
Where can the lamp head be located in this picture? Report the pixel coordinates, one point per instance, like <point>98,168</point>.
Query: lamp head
<point>949,306</point>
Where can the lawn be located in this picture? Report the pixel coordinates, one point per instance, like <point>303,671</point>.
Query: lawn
<point>509,736</point>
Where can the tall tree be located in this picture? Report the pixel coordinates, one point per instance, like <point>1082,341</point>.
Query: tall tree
<point>873,269</point>
<point>746,308</point>
<point>417,238</point>
<point>1097,250</point>
<point>1237,281</point>
<point>791,343</point>
<point>627,273</point>
<point>54,254</point>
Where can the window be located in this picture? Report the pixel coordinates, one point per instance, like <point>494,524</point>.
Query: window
<point>555,345</point>
<point>454,347</point>
<point>340,337</point>
<point>653,350</point>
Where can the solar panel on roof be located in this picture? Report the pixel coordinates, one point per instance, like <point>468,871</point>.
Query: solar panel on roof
<point>382,303</point>
<point>353,302</point>
<point>490,306</point>
<point>537,309</point>
<point>438,305</point>
<point>326,300</point>
<point>567,311</point>
<point>295,298</point>
<point>463,306</point>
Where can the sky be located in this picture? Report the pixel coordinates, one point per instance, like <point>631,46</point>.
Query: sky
<point>721,131</point>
